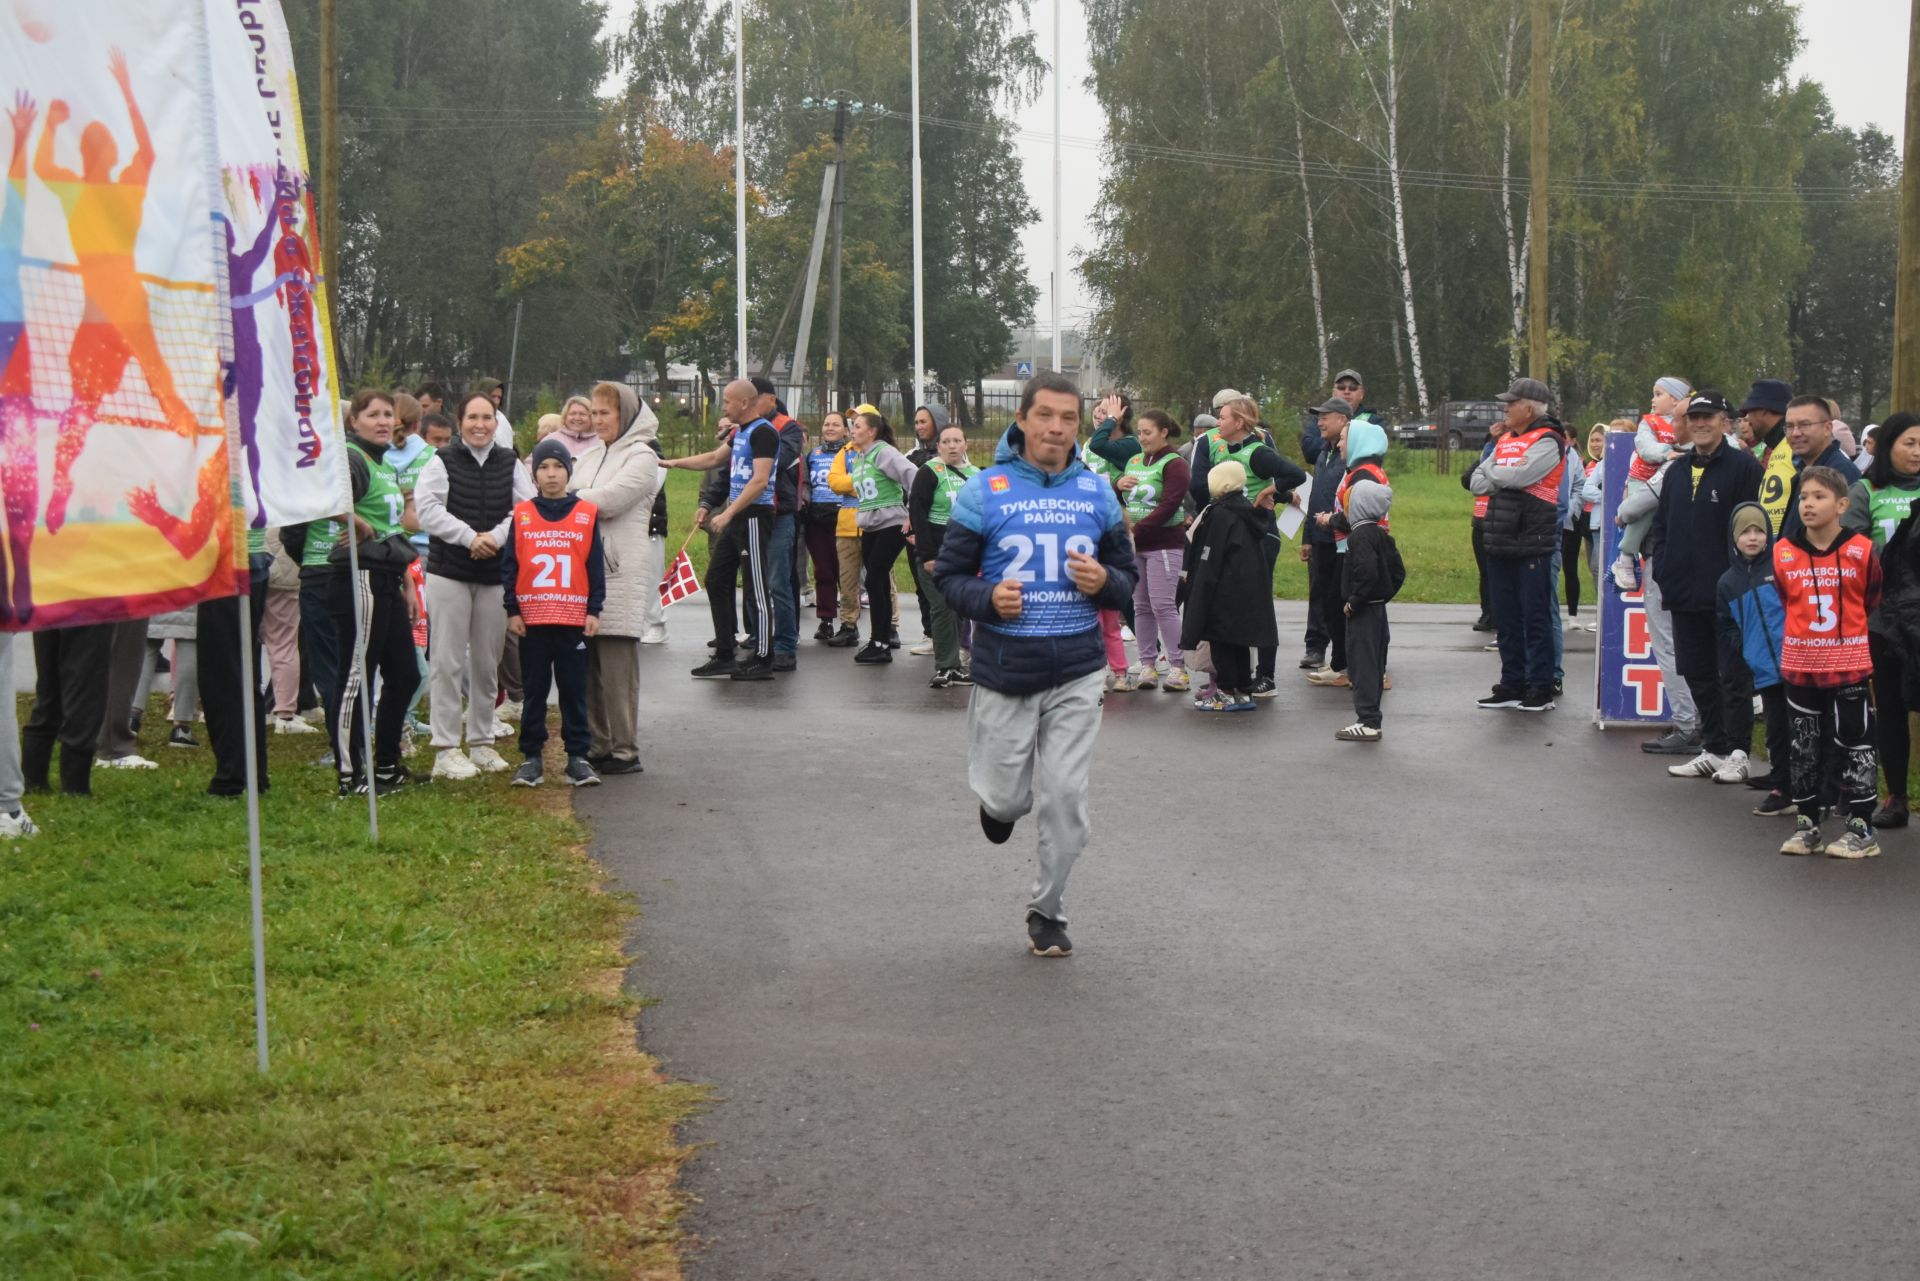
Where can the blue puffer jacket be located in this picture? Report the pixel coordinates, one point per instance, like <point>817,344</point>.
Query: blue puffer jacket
<point>1751,619</point>
<point>1022,665</point>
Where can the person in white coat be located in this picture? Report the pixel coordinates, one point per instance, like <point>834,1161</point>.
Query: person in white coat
<point>620,476</point>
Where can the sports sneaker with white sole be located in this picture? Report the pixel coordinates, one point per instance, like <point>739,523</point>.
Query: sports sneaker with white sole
<point>1358,733</point>
<point>16,825</point>
<point>1858,841</point>
<point>452,763</point>
<point>1148,679</point>
<point>292,725</point>
<point>1327,678</point>
<point>1734,771</point>
<point>508,711</point>
<point>485,759</point>
<point>1705,765</point>
<point>1624,575</point>
<point>922,650</point>
<point>1175,681</point>
<point>1122,682</point>
<point>530,774</point>
<point>1047,937</point>
<point>1806,838</point>
<point>129,761</point>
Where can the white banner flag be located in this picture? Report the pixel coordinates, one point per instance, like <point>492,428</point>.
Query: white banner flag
<point>282,377</point>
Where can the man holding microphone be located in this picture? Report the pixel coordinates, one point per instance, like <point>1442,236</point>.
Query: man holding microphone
<point>1035,547</point>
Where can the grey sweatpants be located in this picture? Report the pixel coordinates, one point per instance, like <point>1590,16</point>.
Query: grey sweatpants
<point>1686,718</point>
<point>1033,755</point>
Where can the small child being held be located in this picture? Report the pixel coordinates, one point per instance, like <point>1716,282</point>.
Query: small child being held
<point>1828,580</point>
<point>554,572</point>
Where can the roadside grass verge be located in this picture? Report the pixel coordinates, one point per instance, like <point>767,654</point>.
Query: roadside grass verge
<point>454,1093</point>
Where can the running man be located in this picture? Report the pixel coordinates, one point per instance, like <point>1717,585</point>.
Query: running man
<point>103,221</point>
<point>19,471</point>
<point>1035,548</point>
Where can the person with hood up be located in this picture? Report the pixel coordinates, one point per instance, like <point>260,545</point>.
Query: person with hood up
<point>1226,589</point>
<point>1034,548</point>
<point>496,391</point>
<point>1371,574</point>
<point>620,476</point>
<point>1880,505</point>
<point>1748,619</point>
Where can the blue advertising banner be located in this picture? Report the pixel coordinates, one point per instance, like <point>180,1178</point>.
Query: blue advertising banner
<point>1628,689</point>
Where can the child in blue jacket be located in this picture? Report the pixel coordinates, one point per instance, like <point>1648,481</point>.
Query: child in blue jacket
<point>1751,621</point>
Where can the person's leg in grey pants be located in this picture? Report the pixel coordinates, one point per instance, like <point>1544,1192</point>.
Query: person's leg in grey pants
<point>1660,628</point>
<point>124,671</point>
<point>1032,755</point>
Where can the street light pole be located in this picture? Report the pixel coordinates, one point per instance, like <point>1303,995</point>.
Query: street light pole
<point>1058,262</point>
<point>919,242</point>
<point>840,113</point>
<point>1906,308</point>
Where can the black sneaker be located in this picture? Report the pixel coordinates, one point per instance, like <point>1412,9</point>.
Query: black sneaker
<point>182,737</point>
<point>719,667</point>
<point>845,638</point>
<point>1538,699</point>
<point>875,652</point>
<point>824,632</point>
<point>1313,660</point>
<point>388,779</point>
<point>1768,782</point>
<point>785,662</point>
<point>529,774</point>
<point>579,773</point>
<point>1892,814</point>
<point>354,786</point>
<point>1047,938</point>
<point>893,642</point>
<point>1673,743</point>
<point>1500,697</point>
<point>996,830</point>
<point>1777,805</point>
<point>1559,690</point>
<point>1483,624</point>
<point>939,680</point>
<point>612,765</point>
<point>959,677</point>
<point>1263,688</point>
<point>752,669</point>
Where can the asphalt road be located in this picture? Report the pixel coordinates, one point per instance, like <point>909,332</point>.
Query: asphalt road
<point>1493,998</point>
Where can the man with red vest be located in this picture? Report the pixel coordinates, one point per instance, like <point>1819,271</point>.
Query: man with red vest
<point>555,576</point>
<point>1521,530</point>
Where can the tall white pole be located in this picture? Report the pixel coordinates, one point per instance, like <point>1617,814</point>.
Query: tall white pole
<point>1059,275</point>
<point>249,709</point>
<point>740,186</point>
<point>919,242</point>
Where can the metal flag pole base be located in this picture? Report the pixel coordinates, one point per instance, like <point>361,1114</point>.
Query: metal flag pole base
<point>249,709</point>
<point>366,687</point>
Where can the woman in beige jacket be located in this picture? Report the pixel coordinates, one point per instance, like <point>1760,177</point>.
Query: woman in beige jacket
<point>620,476</point>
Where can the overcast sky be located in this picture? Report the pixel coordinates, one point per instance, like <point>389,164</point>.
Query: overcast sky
<point>1856,48</point>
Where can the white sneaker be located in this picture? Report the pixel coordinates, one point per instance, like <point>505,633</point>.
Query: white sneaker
<point>654,635</point>
<point>485,758</point>
<point>922,650</point>
<point>502,732</point>
<point>451,762</point>
<point>129,761</point>
<point>1126,633</point>
<point>292,725</point>
<point>15,826</point>
<point>1624,576</point>
<point>507,711</point>
<point>314,715</point>
<point>1705,765</point>
<point>1734,771</point>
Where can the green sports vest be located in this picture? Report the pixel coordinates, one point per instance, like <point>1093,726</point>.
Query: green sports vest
<point>1094,462</point>
<point>1889,507</point>
<point>873,487</point>
<point>256,540</point>
<point>1150,484</point>
<point>950,480</point>
<point>322,535</point>
<point>1218,451</point>
<point>383,503</point>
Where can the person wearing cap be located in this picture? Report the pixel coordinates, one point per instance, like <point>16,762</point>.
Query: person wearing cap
<point>1652,446</point>
<point>1347,387</point>
<point>554,573</point>
<point>1271,478</point>
<point>1325,659</point>
<point>1521,479</point>
<point>1763,415</point>
<point>1692,532</point>
<point>1810,436</point>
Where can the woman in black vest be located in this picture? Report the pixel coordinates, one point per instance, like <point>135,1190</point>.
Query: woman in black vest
<point>464,500</point>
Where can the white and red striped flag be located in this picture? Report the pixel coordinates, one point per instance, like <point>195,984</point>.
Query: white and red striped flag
<point>680,582</point>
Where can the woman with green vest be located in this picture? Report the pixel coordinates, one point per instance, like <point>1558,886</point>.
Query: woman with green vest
<point>1878,506</point>
<point>1153,491</point>
<point>929,504</point>
<point>881,476</point>
<point>385,608</point>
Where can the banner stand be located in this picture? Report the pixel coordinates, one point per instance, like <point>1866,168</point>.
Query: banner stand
<point>249,708</point>
<point>366,686</point>
<point>1628,690</point>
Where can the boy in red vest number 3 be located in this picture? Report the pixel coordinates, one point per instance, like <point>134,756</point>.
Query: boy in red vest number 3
<point>1828,580</point>
<point>555,579</point>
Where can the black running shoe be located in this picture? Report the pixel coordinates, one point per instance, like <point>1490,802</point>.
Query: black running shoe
<point>388,779</point>
<point>355,786</point>
<point>752,669</point>
<point>1263,688</point>
<point>579,773</point>
<point>824,632</point>
<point>939,680</point>
<point>874,652</point>
<point>719,667</point>
<point>1672,743</point>
<point>1777,805</point>
<point>959,677</point>
<point>1892,814</point>
<point>612,765</point>
<point>785,662</point>
<point>1313,660</point>
<point>1501,697</point>
<point>1047,938</point>
<point>1538,699</point>
<point>845,638</point>
<point>996,830</point>
<point>1768,782</point>
<point>893,642</point>
<point>1483,624</point>
<point>529,774</point>
<point>182,737</point>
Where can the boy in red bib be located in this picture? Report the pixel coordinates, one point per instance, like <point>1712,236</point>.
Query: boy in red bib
<point>555,577</point>
<point>1828,580</point>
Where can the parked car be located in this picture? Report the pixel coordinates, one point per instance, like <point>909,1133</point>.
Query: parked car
<point>1463,424</point>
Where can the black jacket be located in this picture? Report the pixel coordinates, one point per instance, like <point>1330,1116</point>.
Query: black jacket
<point>1833,456</point>
<point>1371,572</point>
<point>1690,525</point>
<point>1224,585</point>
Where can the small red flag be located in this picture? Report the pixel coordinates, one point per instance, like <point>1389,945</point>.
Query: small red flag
<point>680,582</point>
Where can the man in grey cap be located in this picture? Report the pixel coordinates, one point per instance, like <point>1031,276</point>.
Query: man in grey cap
<point>1521,479</point>
<point>1349,390</point>
<point>1326,656</point>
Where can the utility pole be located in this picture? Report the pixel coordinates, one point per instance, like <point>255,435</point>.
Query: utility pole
<point>330,150</point>
<point>841,110</point>
<point>1906,312</point>
<point>1059,274</point>
<point>740,190</point>
<point>1537,206</point>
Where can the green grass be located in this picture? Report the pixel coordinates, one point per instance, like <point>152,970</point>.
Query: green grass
<point>454,1091</point>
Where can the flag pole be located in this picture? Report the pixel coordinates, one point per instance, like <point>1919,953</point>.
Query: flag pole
<point>919,243</point>
<point>740,186</point>
<point>249,708</point>
<point>366,690</point>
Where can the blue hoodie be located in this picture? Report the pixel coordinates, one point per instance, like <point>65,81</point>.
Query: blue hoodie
<point>1014,521</point>
<point>1750,618</point>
